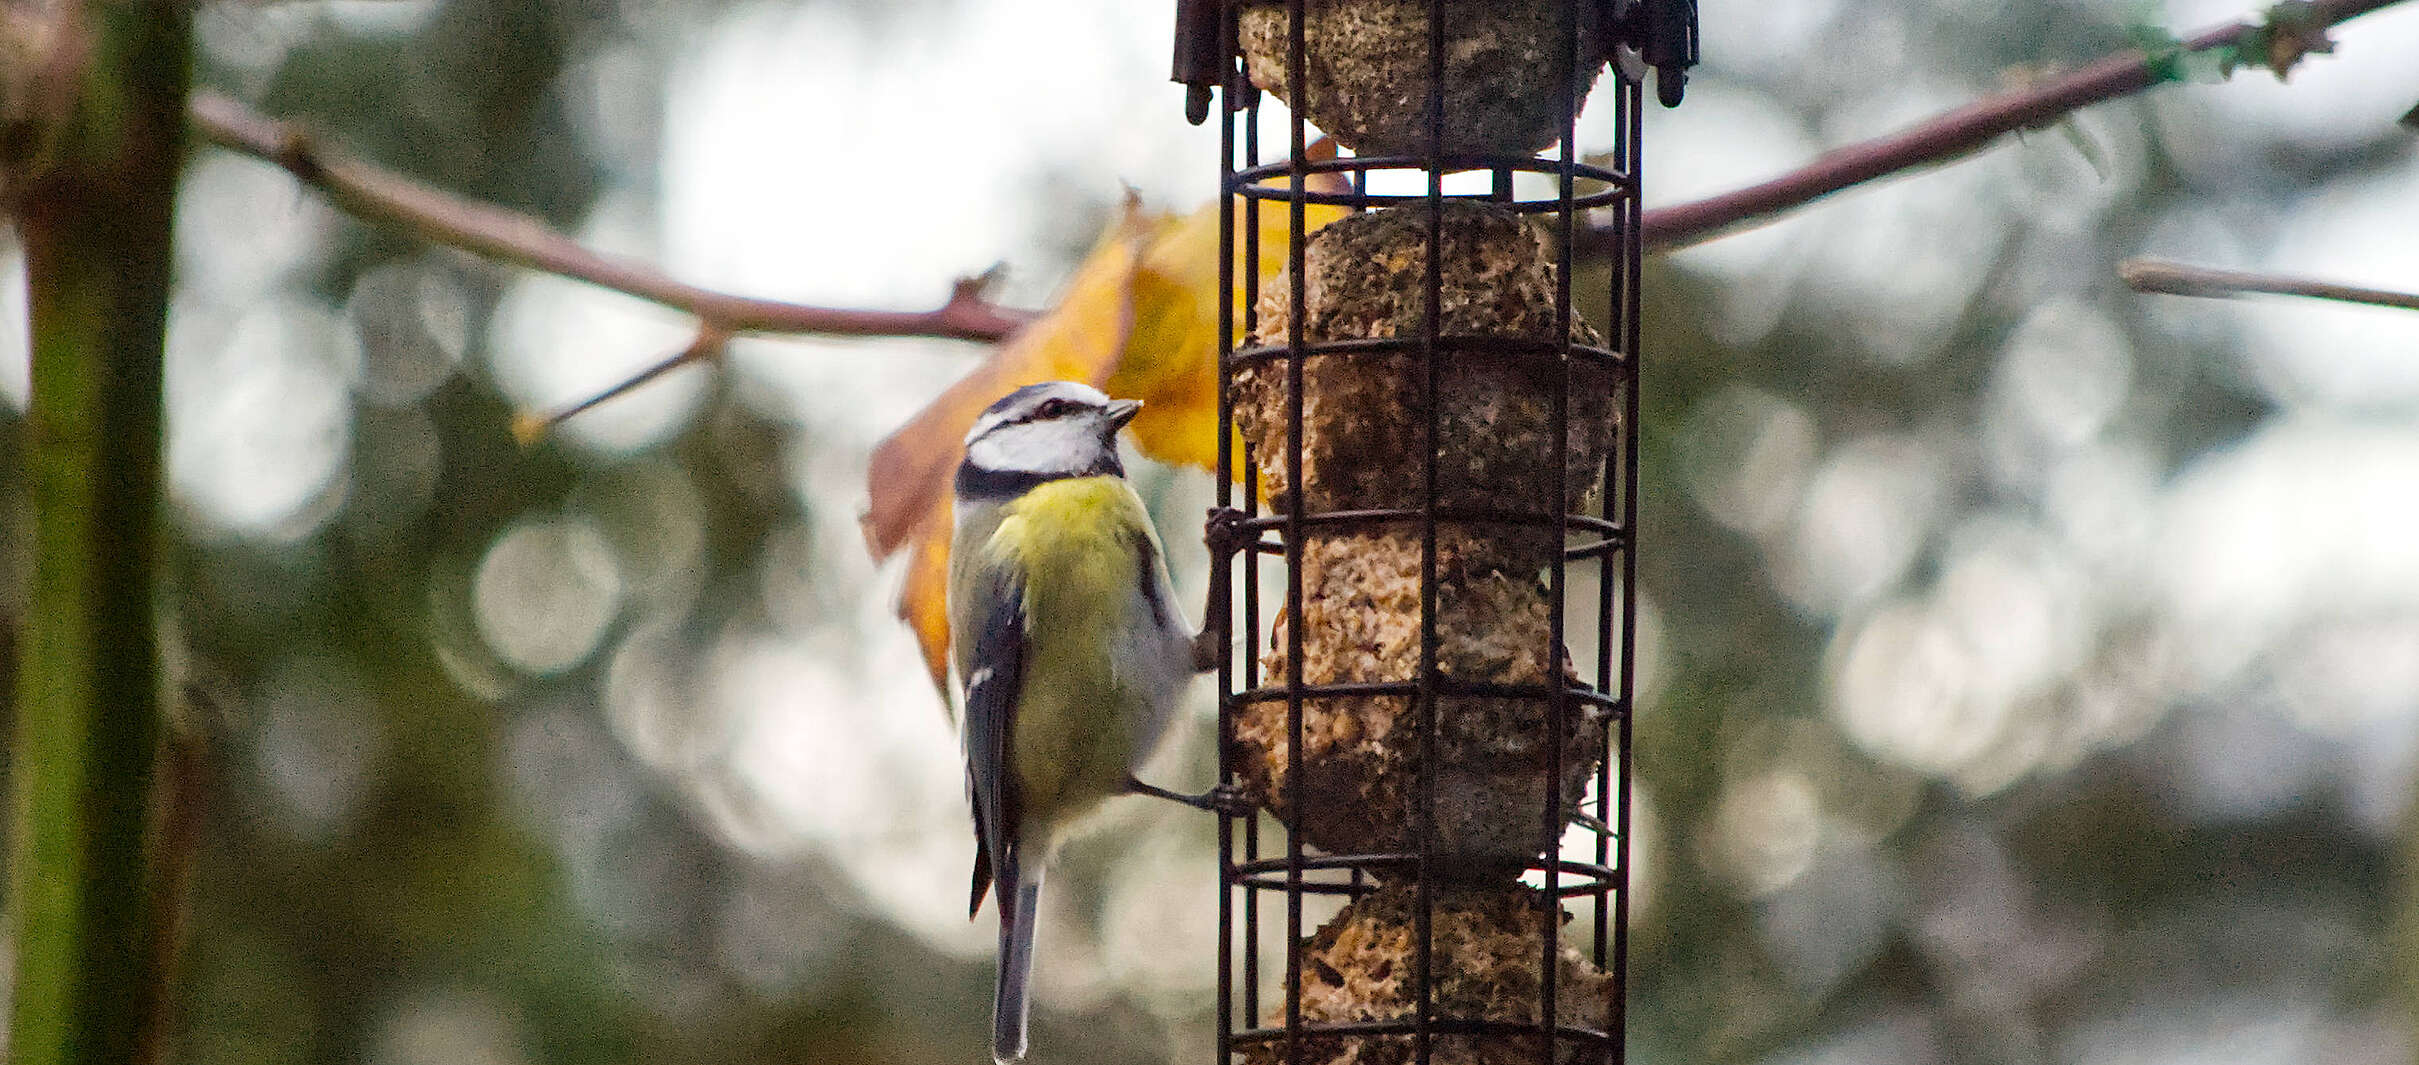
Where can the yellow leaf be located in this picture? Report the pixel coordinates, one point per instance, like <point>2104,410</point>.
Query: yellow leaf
<point>1139,320</point>
<point>1171,357</point>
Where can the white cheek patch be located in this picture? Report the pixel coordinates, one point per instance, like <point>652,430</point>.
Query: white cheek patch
<point>1057,446</point>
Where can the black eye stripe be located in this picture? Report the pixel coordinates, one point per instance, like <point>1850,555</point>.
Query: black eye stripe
<point>1047,410</point>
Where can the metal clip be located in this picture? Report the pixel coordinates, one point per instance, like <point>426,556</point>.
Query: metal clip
<point>1661,34</point>
<point>1200,52</point>
<point>1670,46</point>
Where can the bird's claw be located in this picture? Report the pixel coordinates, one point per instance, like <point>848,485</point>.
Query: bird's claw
<point>1223,534</point>
<point>1226,799</point>
<point>1592,823</point>
<point>1229,800</point>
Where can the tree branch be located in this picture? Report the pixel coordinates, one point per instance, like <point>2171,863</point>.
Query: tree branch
<point>438,217</point>
<point>2285,32</point>
<point>2178,279</point>
<point>2281,37</point>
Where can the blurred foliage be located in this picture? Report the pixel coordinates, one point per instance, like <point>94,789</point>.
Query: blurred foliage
<point>435,840</point>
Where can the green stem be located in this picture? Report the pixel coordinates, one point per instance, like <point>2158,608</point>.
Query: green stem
<point>95,226</point>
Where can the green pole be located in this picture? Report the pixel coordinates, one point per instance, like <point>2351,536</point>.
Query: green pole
<point>94,219</point>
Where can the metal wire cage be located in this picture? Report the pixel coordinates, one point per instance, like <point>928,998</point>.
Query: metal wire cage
<point>1489,470</point>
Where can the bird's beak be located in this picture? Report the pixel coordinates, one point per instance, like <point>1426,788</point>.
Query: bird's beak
<point>1122,411</point>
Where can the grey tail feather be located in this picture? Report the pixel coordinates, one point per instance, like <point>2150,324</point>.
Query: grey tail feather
<point>982,878</point>
<point>1010,999</point>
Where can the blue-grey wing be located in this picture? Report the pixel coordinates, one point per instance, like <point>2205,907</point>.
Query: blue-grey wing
<point>1150,576</point>
<point>994,677</point>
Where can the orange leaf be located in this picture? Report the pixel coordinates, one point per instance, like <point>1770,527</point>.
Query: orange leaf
<point>924,598</point>
<point>910,472</point>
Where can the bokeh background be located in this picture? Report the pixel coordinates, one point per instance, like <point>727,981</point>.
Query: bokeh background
<point>2032,667</point>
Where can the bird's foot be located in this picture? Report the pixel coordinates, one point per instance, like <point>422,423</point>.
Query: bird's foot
<point>1224,536</point>
<point>1591,822</point>
<point>1226,799</point>
<point>1223,533</point>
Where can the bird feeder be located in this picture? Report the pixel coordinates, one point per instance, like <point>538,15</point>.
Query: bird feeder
<point>1429,436</point>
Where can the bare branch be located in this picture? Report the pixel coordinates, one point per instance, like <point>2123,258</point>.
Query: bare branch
<point>1971,128</point>
<point>2178,279</point>
<point>441,218</point>
<point>708,344</point>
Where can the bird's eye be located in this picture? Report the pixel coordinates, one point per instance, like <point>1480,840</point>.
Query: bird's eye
<point>1052,409</point>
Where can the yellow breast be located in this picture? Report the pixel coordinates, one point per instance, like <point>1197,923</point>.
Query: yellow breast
<point>1078,544</point>
<point>1074,533</point>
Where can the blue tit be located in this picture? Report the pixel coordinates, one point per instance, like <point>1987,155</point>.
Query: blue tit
<point>1068,643</point>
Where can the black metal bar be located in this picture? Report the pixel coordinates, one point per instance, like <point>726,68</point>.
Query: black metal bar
<point>1222,565</point>
<point>1598,548</point>
<point>1557,575</point>
<point>1610,471</point>
<point>1439,1026</point>
<point>1400,861</point>
<point>1297,72</point>
<point>1251,505</point>
<point>1460,342</point>
<point>1449,686</point>
<point>1348,197</point>
<point>1633,253</point>
<point>1452,515</point>
<point>1255,179</point>
<point>1275,883</point>
<point>1586,549</point>
<point>1431,328</point>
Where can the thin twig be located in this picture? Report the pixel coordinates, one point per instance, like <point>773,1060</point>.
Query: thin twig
<point>2179,279</point>
<point>1961,131</point>
<point>185,785</point>
<point>442,218</point>
<point>708,344</point>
